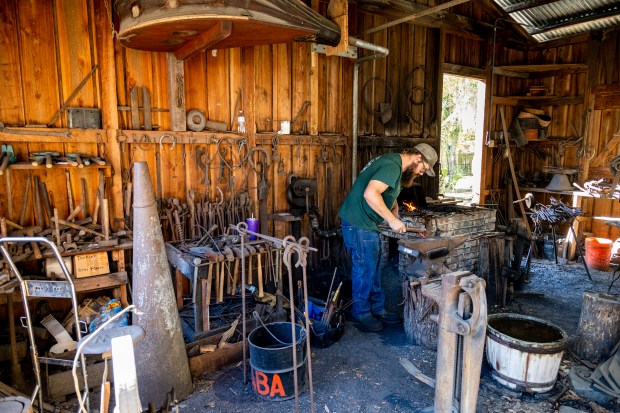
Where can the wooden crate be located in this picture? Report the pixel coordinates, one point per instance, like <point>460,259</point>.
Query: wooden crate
<point>88,265</point>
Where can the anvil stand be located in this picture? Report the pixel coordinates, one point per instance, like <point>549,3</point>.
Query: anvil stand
<point>583,259</point>
<point>555,248</point>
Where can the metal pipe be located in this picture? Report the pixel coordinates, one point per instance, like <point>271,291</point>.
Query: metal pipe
<point>380,52</point>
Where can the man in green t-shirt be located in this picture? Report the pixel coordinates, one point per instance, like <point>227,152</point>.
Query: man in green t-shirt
<point>371,201</point>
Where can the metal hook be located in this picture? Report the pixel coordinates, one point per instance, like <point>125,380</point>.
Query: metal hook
<point>167,135</point>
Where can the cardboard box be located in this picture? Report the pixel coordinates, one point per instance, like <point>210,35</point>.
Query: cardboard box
<point>88,265</point>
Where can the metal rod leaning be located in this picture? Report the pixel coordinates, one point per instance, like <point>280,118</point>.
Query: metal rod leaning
<point>242,229</point>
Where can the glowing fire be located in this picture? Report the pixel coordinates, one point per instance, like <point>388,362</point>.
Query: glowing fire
<point>410,206</point>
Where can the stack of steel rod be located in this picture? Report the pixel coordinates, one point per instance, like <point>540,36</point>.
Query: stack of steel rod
<point>555,213</point>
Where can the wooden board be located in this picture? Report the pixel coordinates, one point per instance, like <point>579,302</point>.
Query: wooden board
<point>12,105</point>
<point>38,61</point>
<point>61,384</point>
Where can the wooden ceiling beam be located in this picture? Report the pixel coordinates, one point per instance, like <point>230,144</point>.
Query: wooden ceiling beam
<point>207,39</point>
<point>416,15</point>
<point>465,26</point>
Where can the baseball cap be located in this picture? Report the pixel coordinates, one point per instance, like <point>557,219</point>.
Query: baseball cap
<point>429,154</point>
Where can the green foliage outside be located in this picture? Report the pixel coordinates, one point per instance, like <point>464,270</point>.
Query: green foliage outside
<point>458,122</point>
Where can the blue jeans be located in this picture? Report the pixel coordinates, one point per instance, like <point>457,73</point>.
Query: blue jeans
<point>365,249</point>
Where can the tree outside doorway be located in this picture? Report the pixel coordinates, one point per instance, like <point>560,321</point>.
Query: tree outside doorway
<point>462,117</point>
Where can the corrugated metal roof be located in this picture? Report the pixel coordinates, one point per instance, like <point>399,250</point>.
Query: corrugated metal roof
<point>549,19</point>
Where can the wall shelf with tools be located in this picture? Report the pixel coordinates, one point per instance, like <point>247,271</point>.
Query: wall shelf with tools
<point>28,166</point>
<point>53,198</point>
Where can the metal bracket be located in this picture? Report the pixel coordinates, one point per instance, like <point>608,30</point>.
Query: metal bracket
<point>351,52</point>
<point>53,289</point>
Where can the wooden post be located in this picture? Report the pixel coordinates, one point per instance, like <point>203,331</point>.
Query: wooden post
<point>599,326</point>
<point>176,93</point>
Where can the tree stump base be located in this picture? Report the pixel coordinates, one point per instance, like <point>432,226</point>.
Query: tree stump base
<point>599,326</point>
<point>419,325</point>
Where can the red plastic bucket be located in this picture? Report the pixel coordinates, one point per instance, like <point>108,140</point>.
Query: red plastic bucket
<point>598,253</point>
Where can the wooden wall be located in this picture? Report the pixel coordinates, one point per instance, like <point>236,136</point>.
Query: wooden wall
<point>587,108</point>
<point>48,47</point>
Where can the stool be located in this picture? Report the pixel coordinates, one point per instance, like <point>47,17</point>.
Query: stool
<point>15,404</point>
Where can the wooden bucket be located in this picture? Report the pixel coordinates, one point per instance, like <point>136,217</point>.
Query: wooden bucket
<point>524,352</point>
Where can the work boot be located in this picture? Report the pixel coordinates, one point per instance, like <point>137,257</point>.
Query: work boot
<point>368,324</point>
<point>387,317</point>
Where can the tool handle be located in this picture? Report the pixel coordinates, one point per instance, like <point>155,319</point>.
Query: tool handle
<point>5,162</point>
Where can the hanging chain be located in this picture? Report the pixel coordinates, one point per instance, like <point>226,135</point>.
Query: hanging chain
<point>107,9</point>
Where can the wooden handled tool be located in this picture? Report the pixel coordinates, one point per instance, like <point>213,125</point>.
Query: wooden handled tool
<point>220,296</point>
<point>207,301</point>
<point>261,294</point>
<point>77,158</point>
<point>5,162</point>
<point>47,156</point>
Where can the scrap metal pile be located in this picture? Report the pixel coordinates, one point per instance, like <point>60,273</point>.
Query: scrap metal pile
<point>601,188</point>
<point>555,213</point>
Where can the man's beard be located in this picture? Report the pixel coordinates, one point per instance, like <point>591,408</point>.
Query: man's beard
<point>406,181</point>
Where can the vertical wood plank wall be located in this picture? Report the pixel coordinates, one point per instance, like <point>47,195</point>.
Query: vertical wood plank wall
<point>568,122</point>
<point>49,47</point>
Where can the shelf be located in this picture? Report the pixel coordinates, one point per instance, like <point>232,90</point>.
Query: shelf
<point>537,100</point>
<point>29,166</point>
<point>527,71</point>
<point>546,191</point>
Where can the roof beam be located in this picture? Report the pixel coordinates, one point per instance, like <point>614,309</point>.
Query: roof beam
<point>416,15</point>
<point>451,22</point>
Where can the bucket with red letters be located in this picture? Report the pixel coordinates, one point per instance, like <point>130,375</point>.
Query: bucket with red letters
<point>271,360</point>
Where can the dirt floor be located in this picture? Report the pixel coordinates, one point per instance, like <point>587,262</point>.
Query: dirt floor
<point>361,372</point>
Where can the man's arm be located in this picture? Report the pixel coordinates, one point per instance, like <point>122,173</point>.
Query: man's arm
<point>372,195</point>
<point>395,209</point>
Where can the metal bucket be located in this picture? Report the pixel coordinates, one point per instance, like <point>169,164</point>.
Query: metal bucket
<point>271,360</point>
<point>524,352</point>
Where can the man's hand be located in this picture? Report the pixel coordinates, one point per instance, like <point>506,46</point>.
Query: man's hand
<point>398,226</point>
<point>372,195</point>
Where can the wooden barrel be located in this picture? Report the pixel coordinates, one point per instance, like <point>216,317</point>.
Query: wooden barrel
<point>524,352</point>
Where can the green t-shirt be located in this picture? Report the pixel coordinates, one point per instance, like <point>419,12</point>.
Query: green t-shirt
<point>355,210</point>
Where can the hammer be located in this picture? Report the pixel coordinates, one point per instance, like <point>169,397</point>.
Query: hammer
<point>47,156</point>
<point>260,272</point>
<point>252,251</point>
<point>5,157</point>
<point>77,158</point>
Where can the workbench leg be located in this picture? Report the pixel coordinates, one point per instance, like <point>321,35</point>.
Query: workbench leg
<point>205,306</point>
<point>178,284</point>
<point>198,303</point>
<point>122,289</point>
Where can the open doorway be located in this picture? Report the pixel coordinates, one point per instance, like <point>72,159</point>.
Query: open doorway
<point>462,117</point>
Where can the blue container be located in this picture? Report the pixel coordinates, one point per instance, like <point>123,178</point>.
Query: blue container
<point>252,224</point>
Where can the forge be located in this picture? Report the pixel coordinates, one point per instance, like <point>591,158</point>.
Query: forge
<point>441,220</point>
